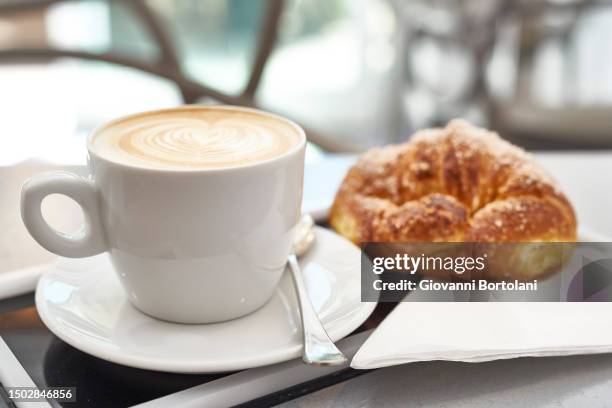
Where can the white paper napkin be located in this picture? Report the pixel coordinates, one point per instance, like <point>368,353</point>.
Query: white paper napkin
<point>473,332</point>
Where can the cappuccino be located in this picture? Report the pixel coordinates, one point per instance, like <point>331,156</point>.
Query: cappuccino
<point>193,137</point>
<point>196,207</point>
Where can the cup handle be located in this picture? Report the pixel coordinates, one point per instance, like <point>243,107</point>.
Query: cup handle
<point>89,240</point>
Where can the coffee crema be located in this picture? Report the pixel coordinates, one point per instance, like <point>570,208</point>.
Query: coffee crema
<point>196,138</point>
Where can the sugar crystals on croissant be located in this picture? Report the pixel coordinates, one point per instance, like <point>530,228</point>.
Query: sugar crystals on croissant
<point>460,183</point>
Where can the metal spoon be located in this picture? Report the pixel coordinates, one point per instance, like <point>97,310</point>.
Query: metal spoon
<point>319,349</point>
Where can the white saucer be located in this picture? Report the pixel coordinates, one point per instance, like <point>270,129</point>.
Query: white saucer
<point>82,302</point>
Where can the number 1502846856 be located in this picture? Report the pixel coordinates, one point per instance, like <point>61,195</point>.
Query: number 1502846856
<point>34,394</point>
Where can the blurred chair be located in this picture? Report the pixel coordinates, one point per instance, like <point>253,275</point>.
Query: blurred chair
<point>535,70</point>
<point>168,65</point>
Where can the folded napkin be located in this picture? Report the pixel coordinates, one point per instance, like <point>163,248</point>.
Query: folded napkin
<point>474,332</point>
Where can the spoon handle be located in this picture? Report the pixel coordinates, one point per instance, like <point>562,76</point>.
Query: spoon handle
<point>319,349</point>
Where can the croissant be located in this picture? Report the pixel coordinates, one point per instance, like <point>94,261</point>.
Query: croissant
<point>460,183</point>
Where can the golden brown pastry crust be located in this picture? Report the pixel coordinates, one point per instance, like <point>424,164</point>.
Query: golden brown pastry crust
<point>457,184</point>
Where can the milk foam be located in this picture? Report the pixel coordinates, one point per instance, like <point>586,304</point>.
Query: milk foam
<point>195,138</point>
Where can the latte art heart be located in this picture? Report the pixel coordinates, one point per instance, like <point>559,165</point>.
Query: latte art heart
<point>194,142</point>
<point>196,138</point>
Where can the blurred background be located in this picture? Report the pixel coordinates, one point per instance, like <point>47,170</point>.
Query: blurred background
<point>355,73</point>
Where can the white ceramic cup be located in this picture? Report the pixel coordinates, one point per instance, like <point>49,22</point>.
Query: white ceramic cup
<point>189,246</point>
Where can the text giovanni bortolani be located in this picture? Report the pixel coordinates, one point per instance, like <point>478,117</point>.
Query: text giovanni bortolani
<point>457,265</point>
